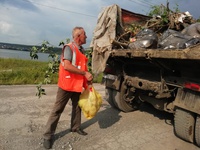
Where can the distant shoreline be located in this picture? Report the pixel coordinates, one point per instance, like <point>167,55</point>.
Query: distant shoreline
<point>20,47</point>
<point>20,54</point>
<point>14,49</point>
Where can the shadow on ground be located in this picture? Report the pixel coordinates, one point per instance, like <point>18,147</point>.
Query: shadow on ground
<point>105,119</point>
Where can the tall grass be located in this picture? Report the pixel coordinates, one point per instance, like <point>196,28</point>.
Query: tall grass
<point>17,71</point>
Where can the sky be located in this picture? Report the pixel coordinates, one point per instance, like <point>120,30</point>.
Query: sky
<point>30,22</point>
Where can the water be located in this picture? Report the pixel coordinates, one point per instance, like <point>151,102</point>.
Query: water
<point>6,53</point>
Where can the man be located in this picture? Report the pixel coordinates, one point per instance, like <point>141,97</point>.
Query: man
<point>73,77</point>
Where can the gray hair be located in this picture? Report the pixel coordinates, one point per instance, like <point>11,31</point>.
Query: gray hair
<point>77,31</point>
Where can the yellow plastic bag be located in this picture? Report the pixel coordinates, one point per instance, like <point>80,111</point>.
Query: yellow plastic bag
<point>90,102</point>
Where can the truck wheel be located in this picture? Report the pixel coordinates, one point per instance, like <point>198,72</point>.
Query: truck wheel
<point>184,124</point>
<point>115,99</point>
<point>197,130</point>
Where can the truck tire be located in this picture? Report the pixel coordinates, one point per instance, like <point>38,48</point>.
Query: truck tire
<point>197,130</point>
<point>116,100</point>
<point>184,124</point>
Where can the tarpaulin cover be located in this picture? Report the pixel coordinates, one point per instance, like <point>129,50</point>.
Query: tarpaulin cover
<point>103,35</point>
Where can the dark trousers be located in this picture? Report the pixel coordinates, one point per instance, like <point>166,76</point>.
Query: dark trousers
<point>61,100</point>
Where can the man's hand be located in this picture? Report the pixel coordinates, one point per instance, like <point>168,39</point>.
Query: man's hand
<point>88,76</point>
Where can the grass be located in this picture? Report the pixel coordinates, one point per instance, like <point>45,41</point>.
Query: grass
<point>20,72</point>
<point>17,71</point>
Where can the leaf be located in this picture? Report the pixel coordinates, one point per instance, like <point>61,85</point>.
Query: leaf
<point>40,91</point>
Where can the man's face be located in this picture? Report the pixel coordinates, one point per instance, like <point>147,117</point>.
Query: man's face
<point>82,37</point>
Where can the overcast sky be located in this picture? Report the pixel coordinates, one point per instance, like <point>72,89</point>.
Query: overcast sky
<point>33,21</point>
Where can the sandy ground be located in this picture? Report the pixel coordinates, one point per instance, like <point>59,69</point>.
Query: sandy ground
<point>23,117</point>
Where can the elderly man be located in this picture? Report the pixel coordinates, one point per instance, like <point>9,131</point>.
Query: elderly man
<point>73,77</point>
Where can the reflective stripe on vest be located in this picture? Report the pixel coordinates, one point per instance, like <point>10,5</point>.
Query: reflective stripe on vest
<point>73,55</point>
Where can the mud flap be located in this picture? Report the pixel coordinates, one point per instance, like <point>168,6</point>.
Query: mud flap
<point>188,100</point>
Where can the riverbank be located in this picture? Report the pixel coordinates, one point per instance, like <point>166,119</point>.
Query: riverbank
<point>19,72</point>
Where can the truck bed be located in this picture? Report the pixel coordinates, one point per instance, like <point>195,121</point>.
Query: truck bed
<point>192,53</point>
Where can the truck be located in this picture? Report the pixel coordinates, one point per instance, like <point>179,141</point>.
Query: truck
<point>168,79</point>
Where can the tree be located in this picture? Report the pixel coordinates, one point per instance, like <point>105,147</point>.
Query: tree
<point>53,65</point>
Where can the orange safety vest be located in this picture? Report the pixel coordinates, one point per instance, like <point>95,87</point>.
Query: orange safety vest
<point>69,81</point>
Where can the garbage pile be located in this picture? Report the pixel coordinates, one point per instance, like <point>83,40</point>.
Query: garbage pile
<point>177,31</point>
<point>174,31</point>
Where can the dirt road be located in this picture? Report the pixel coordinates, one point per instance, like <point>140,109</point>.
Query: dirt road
<point>23,117</point>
